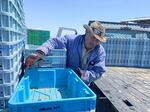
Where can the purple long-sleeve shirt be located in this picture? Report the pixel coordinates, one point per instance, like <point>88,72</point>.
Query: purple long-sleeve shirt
<point>95,65</point>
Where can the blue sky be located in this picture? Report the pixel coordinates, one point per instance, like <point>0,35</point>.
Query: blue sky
<point>52,14</point>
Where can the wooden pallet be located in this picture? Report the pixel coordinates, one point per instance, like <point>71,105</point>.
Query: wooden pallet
<point>128,89</point>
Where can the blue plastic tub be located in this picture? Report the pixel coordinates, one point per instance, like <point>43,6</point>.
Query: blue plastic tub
<point>52,90</point>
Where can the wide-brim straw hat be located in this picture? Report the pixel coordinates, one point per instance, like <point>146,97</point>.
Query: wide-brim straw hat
<point>97,30</point>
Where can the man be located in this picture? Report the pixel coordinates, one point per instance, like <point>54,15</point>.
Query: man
<point>85,54</point>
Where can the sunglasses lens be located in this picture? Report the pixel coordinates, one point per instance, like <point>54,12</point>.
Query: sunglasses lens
<point>97,31</point>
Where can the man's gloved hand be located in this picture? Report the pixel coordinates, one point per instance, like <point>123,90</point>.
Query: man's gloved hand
<point>31,59</point>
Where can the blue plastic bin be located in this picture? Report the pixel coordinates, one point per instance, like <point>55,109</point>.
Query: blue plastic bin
<point>52,90</point>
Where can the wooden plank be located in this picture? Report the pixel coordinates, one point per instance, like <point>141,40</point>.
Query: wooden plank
<point>135,82</point>
<point>129,94</point>
<point>113,96</point>
<point>123,86</point>
<point>139,94</point>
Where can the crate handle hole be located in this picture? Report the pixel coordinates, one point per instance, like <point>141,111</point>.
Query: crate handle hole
<point>127,103</point>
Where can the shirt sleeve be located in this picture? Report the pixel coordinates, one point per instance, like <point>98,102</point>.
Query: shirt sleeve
<point>53,43</point>
<point>95,72</point>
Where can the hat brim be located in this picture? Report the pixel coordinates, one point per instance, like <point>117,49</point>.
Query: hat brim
<point>89,29</point>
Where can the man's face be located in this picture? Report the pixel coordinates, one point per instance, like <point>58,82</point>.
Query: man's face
<point>90,41</point>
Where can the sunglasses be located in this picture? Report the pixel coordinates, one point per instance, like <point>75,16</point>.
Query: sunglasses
<point>97,31</point>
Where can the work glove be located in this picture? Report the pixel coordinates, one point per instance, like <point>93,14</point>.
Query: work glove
<point>33,58</point>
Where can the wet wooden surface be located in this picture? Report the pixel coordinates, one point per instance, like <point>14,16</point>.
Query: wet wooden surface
<point>128,89</point>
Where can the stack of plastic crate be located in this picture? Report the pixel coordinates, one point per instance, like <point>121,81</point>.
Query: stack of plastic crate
<point>124,51</point>
<point>12,36</point>
<point>146,53</point>
<point>56,58</point>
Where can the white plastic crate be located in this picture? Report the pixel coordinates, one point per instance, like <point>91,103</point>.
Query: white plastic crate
<point>16,8</point>
<point>57,52</point>
<point>6,78</point>
<point>10,76</point>
<point>55,59</point>
<point>10,36</point>
<point>52,61</point>
<point>4,20</point>
<point>13,7</point>
<point>6,90</point>
<point>9,63</point>
<point>10,21</point>
<point>9,50</point>
<point>50,65</point>
<point>53,52</point>
<point>11,16</point>
<point>4,5</point>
